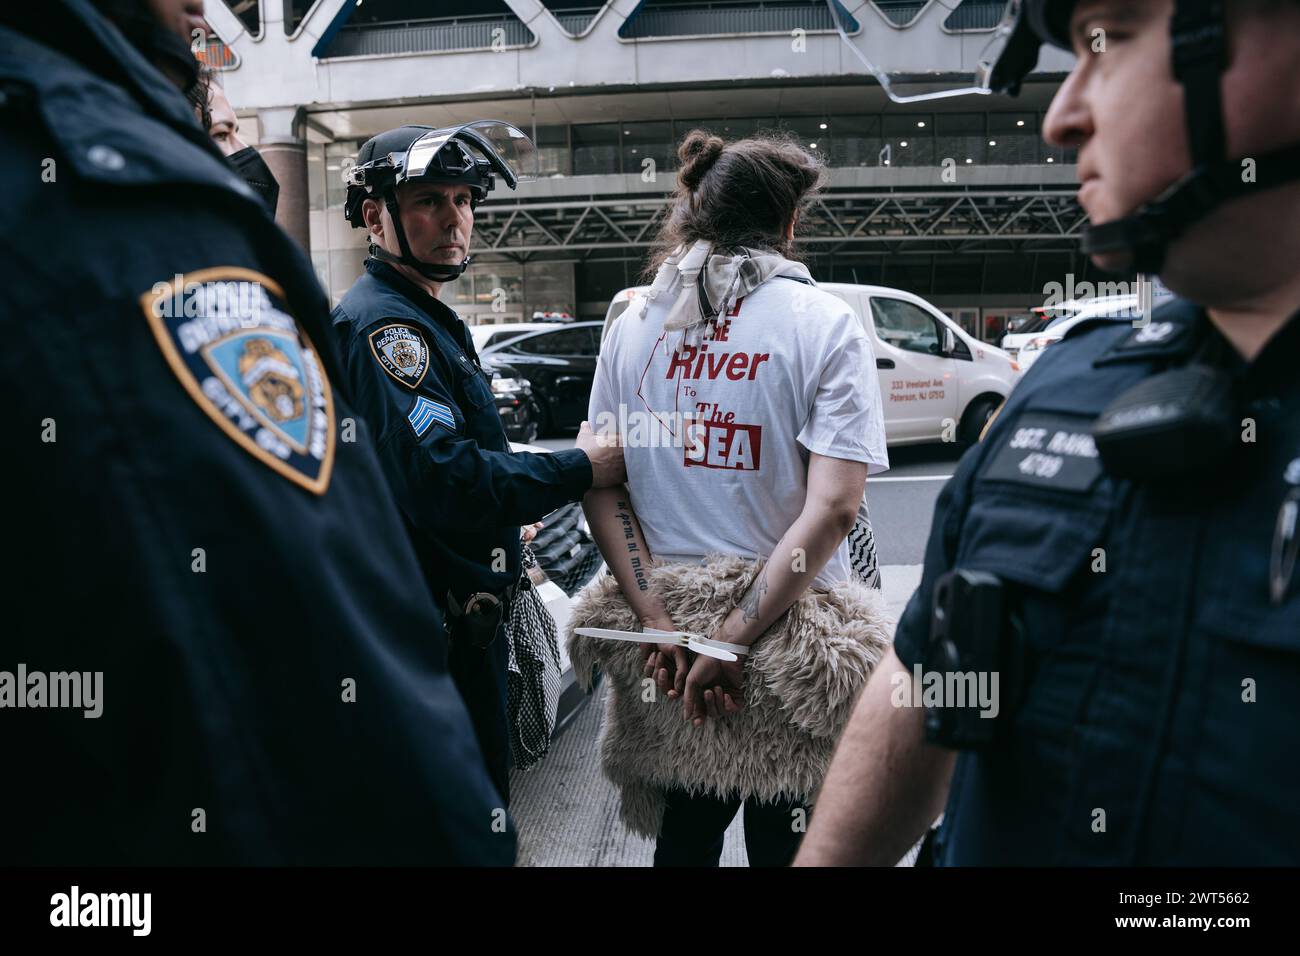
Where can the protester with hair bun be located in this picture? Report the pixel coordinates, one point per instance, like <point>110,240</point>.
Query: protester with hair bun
<point>758,419</point>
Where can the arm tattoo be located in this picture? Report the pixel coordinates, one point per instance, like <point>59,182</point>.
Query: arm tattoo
<point>749,604</point>
<point>624,515</point>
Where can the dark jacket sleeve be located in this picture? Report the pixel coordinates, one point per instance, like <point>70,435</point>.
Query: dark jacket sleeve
<point>442,479</point>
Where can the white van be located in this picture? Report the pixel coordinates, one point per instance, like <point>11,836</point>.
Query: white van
<point>933,374</point>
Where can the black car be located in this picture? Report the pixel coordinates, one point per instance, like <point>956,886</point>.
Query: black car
<point>565,549</point>
<point>560,363</point>
<point>516,403</point>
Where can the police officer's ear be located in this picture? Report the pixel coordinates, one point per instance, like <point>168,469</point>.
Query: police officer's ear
<point>372,214</point>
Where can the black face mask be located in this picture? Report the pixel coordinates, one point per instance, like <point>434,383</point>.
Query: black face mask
<point>250,166</point>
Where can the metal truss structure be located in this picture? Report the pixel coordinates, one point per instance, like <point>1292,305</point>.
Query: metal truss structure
<point>956,221</point>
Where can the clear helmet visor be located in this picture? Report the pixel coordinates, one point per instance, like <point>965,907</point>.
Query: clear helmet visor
<point>456,149</point>
<point>985,31</point>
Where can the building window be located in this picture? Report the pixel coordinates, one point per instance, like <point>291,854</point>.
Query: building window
<point>420,26</point>
<point>1013,139</point>
<point>573,16</point>
<point>809,134</point>
<point>553,158</point>
<point>666,18</point>
<point>910,137</point>
<point>960,136</point>
<point>548,287</point>
<point>854,140</point>
<point>648,141</point>
<point>900,12</point>
<point>596,149</point>
<point>975,15</point>
<point>339,157</point>
<point>249,13</point>
<point>294,11</point>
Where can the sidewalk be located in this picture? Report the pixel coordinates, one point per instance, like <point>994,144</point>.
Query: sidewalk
<point>567,812</point>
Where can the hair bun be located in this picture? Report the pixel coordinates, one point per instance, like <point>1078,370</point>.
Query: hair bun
<point>698,152</point>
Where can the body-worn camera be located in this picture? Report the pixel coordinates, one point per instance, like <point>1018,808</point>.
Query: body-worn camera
<point>1179,424</point>
<point>962,661</point>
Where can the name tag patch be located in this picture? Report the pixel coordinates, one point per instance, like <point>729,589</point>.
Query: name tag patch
<point>1047,451</point>
<point>425,412</point>
<point>228,335</point>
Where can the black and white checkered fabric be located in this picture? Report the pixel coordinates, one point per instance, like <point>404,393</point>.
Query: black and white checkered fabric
<point>534,680</point>
<point>862,549</point>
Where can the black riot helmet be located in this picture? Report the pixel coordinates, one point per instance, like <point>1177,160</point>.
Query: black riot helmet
<point>1198,31</point>
<point>474,154</point>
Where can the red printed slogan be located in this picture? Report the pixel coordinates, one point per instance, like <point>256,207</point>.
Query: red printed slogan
<point>714,439</point>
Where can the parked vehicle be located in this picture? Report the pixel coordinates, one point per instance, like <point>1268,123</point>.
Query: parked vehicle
<point>487,336</point>
<point>559,359</point>
<point>516,403</point>
<point>1121,307</point>
<point>1049,315</point>
<point>1025,330</point>
<point>933,374</point>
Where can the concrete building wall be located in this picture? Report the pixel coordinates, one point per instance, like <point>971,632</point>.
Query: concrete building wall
<point>576,94</point>
<point>277,70</point>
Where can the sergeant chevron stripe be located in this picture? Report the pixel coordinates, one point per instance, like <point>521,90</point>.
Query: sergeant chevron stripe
<point>425,412</point>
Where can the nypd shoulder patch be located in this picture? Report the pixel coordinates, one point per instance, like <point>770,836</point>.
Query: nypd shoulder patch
<point>230,338</point>
<point>402,352</point>
<point>426,412</point>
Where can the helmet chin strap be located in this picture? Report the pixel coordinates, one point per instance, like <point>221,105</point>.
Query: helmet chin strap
<point>1146,235</point>
<point>1198,35</point>
<point>435,271</point>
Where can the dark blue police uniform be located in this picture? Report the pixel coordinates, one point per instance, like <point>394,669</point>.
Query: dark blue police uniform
<point>187,517</point>
<point>1150,684</point>
<point>412,366</point>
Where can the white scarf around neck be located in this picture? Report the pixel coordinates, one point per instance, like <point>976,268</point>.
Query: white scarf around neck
<point>722,278</point>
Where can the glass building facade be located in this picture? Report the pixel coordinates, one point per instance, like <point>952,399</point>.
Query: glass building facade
<point>504,291</point>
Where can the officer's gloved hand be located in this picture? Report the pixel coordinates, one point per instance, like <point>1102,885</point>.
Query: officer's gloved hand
<point>605,455</point>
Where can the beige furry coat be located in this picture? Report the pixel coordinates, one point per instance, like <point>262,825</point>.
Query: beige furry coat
<point>800,684</point>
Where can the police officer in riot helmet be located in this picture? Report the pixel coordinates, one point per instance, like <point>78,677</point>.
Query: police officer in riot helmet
<point>412,364</point>
<point>207,543</point>
<point>1115,562</point>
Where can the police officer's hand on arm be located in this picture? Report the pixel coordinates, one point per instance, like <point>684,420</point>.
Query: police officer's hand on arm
<point>605,455</point>
<point>437,429</point>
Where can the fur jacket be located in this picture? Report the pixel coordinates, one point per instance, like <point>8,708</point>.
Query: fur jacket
<point>801,681</point>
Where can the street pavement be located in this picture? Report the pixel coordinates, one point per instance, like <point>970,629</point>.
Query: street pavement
<point>567,812</point>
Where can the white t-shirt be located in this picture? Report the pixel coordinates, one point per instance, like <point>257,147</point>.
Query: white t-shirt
<point>789,370</point>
